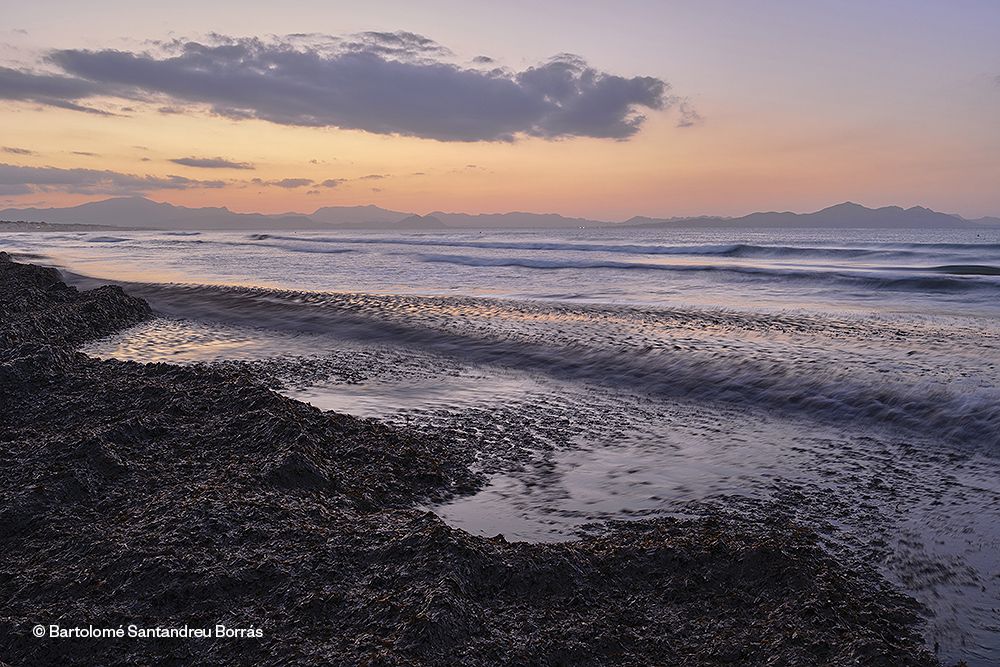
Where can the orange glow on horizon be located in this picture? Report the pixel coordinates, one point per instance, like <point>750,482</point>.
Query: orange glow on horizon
<point>720,168</point>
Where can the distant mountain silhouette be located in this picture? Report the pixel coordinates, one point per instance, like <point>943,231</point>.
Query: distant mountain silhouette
<point>357,215</point>
<point>842,216</point>
<point>139,212</point>
<point>146,214</point>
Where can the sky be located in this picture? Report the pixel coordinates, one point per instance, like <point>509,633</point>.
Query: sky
<point>596,109</point>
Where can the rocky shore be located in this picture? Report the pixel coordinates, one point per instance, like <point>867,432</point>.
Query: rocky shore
<point>163,496</point>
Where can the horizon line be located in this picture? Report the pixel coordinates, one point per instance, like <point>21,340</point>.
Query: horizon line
<point>497,213</point>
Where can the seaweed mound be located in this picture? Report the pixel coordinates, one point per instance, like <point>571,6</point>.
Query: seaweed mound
<point>159,496</point>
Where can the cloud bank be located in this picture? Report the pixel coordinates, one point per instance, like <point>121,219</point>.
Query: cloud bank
<point>18,180</point>
<point>211,163</point>
<point>21,180</point>
<point>47,89</point>
<point>384,83</point>
<point>292,183</point>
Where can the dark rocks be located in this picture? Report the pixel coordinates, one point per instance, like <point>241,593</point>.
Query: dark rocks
<point>37,308</point>
<point>158,495</point>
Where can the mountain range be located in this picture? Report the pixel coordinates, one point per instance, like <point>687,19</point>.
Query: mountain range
<point>842,216</point>
<point>142,213</point>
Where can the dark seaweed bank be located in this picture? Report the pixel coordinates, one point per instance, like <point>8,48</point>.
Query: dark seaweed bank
<point>164,496</point>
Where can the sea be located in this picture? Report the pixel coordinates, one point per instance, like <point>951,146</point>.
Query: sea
<point>845,379</point>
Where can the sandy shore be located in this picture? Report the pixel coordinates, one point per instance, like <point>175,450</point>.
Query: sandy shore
<point>167,496</point>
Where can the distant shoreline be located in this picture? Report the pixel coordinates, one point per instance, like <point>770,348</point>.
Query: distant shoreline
<point>30,226</point>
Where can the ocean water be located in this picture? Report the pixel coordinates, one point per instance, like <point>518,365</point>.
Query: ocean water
<point>849,379</point>
<point>922,272</point>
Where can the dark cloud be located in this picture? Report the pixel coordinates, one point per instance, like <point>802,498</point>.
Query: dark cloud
<point>590,103</point>
<point>211,163</point>
<point>380,82</point>
<point>13,150</point>
<point>483,60</point>
<point>91,181</point>
<point>293,182</point>
<point>84,153</point>
<point>49,89</point>
<point>285,182</point>
<point>372,177</point>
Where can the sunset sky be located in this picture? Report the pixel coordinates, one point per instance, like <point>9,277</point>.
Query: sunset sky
<point>596,109</point>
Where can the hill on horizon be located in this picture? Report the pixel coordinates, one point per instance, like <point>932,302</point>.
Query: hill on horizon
<point>847,215</point>
<point>143,213</point>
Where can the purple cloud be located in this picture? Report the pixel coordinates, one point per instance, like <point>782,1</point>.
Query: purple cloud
<point>48,89</point>
<point>289,183</point>
<point>16,179</point>
<point>211,163</point>
<point>384,83</point>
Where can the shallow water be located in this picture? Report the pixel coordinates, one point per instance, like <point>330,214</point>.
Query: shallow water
<point>850,381</point>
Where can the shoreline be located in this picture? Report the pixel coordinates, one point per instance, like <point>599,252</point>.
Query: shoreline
<point>168,495</point>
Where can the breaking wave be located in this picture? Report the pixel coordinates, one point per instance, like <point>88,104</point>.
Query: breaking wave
<point>716,250</point>
<point>822,391</point>
<point>722,250</point>
<point>299,245</point>
<point>937,283</point>
<point>968,270</point>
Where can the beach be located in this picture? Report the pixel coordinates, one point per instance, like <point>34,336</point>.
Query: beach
<point>547,393</point>
<point>846,389</point>
<point>193,495</point>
